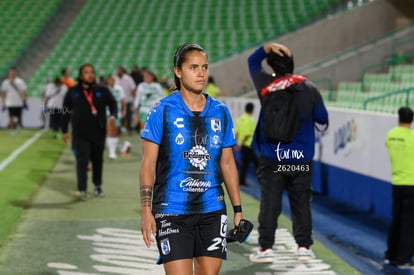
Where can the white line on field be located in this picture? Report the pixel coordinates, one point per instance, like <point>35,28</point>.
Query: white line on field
<point>17,152</point>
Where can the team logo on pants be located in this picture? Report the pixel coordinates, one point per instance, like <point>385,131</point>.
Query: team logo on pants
<point>165,246</point>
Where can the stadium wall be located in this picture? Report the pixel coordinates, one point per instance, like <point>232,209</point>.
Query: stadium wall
<point>351,160</point>
<point>32,117</point>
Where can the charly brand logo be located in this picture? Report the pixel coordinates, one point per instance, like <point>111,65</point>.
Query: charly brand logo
<point>283,154</point>
<point>345,135</point>
<point>190,184</point>
<point>198,156</point>
<point>179,122</point>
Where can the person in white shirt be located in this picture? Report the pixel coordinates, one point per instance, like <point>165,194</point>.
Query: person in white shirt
<point>54,95</point>
<point>14,96</point>
<point>128,85</point>
<point>148,93</point>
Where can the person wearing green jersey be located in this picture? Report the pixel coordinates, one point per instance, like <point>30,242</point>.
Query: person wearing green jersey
<point>212,89</point>
<point>245,126</point>
<point>400,144</point>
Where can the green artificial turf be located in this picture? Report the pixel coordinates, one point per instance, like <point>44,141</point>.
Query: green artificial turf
<point>23,176</point>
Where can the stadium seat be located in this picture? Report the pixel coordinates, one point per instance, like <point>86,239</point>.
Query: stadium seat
<point>20,22</point>
<point>147,32</point>
<point>392,86</point>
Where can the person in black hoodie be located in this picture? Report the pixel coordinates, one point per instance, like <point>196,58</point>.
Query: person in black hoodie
<point>85,105</point>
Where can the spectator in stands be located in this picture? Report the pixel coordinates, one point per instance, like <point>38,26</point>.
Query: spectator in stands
<point>187,150</point>
<point>113,125</point>
<point>245,126</point>
<point>86,104</point>
<point>211,88</point>
<point>128,85</point>
<point>285,165</point>
<point>66,79</point>
<point>14,98</point>
<point>400,144</point>
<point>148,92</point>
<point>136,74</point>
<point>53,98</point>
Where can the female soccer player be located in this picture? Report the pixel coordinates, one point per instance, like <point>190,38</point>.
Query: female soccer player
<point>187,154</point>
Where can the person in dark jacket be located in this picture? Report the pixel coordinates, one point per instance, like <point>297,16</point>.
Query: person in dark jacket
<point>285,165</point>
<point>85,105</point>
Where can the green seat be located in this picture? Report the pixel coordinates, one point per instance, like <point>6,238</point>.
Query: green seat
<point>22,21</point>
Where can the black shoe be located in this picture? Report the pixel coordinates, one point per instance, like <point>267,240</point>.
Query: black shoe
<point>98,192</point>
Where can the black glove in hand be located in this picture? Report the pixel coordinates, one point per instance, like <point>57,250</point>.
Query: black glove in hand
<point>241,232</point>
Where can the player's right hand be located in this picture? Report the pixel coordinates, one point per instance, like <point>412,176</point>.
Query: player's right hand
<point>148,228</point>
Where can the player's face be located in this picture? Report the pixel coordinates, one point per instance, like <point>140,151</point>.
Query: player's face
<point>87,74</point>
<point>193,73</point>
